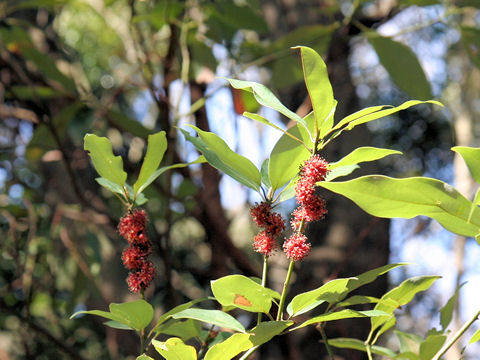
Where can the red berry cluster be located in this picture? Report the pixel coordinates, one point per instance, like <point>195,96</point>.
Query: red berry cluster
<point>312,207</point>
<point>271,223</point>
<point>132,227</point>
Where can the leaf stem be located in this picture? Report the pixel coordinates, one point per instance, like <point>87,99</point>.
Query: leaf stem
<point>325,341</point>
<point>457,336</point>
<point>264,283</point>
<point>369,351</point>
<point>248,353</point>
<point>284,291</point>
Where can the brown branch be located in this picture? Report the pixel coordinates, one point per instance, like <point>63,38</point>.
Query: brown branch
<point>17,113</point>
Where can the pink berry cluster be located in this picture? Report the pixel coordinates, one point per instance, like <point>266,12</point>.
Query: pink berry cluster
<point>132,227</point>
<point>271,224</point>
<point>312,207</point>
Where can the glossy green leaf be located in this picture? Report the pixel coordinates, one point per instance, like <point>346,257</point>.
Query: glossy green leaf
<point>362,154</point>
<point>220,156</point>
<point>176,310</point>
<point>109,185</point>
<point>335,290</point>
<point>116,325</point>
<point>175,349</point>
<point>215,317</point>
<point>264,174</point>
<point>373,113</point>
<point>475,337</point>
<point>403,67</point>
<point>329,292</point>
<point>349,343</point>
<point>156,147</point>
<point>262,120</point>
<point>163,169</point>
<point>431,345</point>
<point>183,329</point>
<point>266,98</point>
<point>287,157</point>
<point>319,89</point>
<point>358,300</point>
<point>406,198</point>
<point>471,156</point>
<point>342,314</point>
<point>340,171</point>
<point>446,312</point>
<point>107,165</point>
<point>135,314</point>
<point>241,292</point>
<point>238,343</point>
<point>399,296</point>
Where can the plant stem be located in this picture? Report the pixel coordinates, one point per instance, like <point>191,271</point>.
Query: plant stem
<point>264,283</point>
<point>457,336</point>
<point>325,340</point>
<point>248,353</point>
<point>369,351</point>
<point>284,291</point>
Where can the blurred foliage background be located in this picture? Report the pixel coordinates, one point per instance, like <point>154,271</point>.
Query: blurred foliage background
<point>128,68</point>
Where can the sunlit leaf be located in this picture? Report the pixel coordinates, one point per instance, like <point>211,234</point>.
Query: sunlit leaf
<point>238,343</point>
<point>220,156</point>
<point>241,292</point>
<point>175,349</point>
<point>135,314</point>
<point>431,345</point>
<point>287,157</point>
<point>215,317</point>
<point>342,314</point>
<point>362,154</point>
<point>156,147</point>
<point>319,89</point>
<point>107,165</point>
<point>471,156</point>
<point>183,329</point>
<point>446,312</point>
<point>406,198</point>
<point>475,337</point>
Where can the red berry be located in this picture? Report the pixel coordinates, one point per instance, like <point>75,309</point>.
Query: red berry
<point>296,247</point>
<point>264,243</point>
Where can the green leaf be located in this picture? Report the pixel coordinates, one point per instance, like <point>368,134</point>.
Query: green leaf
<point>373,113</point>
<point>220,156</point>
<point>329,292</point>
<point>215,317</point>
<point>175,349</point>
<point>262,120</point>
<point>408,342</point>
<point>144,357</point>
<point>266,98</point>
<point>406,198</point>
<point>362,154</point>
<point>287,157</point>
<point>399,296</point>
<point>109,185</point>
<point>238,343</point>
<point>358,300</point>
<point>446,312</point>
<point>135,314</point>
<point>184,329</point>
<point>116,325</point>
<point>242,292</point>
<point>335,290</point>
<point>431,345</point>
<point>175,310</point>
<point>348,343</point>
<point>342,314</point>
<point>403,66</point>
<point>319,89</point>
<point>107,165</point>
<point>475,337</point>
<point>35,92</point>
<point>157,145</point>
<point>471,156</point>
<point>264,174</point>
<point>340,171</point>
